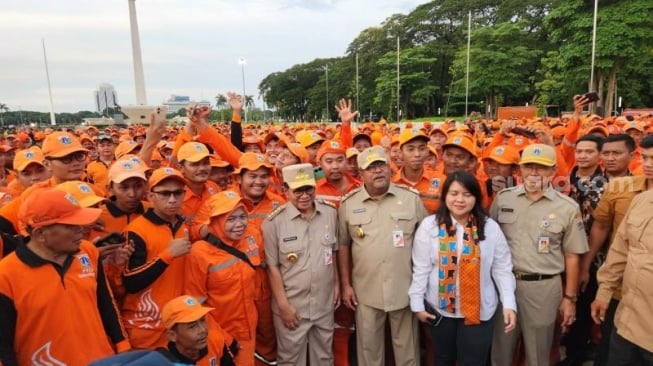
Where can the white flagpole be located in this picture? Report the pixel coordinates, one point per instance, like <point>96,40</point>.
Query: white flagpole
<point>398,111</point>
<point>53,120</point>
<point>358,108</point>
<point>469,43</point>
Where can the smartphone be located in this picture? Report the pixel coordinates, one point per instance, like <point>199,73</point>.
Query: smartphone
<point>160,113</point>
<point>110,239</point>
<point>523,132</point>
<point>429,309</point>
<point>592,97</point>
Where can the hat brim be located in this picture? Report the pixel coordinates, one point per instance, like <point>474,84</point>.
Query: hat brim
<point>538,161</point>
<point>82,217</point>
<point>191,316</point>
<point>499,160</point>
<point>91,201</point>
<point>473,153</point>
<point>253,167</point>
<point>156,182</point>
<point>301,183</point>
<point>196,157</point>
<point>368,163</point>
<point>423,137</point>
<point>119,178</point>
<point>224,209</point>
<point>23,166</point>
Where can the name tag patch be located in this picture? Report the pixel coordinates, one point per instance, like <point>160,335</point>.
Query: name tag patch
<point>290,238</point>
<point>505,209</point>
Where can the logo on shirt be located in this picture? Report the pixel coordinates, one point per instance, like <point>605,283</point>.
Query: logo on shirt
<point>213,361</point>
<point>87,268</point>
<point>43,357</point>
<point>148,315</point>
<point>435,183</point>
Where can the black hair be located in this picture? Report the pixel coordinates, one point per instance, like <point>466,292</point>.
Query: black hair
<point>469,182</point>
<point>598,140</point>
<point>362,136</point>
<point>647,142</point>
<point>629,141</point>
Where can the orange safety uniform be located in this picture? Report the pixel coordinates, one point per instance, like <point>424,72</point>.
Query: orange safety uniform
<point>193,201</point>
<point>429,186</point>
<point>330,193</point>
<point>227,284</point>
<point>97,172</point>
<point>37,298</point>
<point>152,278</point>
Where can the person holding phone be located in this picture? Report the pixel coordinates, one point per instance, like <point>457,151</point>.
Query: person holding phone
<point>459,254</point>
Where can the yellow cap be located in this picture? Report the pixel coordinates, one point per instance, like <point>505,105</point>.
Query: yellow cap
<point>410,134</point>
<point>299,175</point>
<point>193,152</point>
<point>538,154</point>
<point>371,155</point>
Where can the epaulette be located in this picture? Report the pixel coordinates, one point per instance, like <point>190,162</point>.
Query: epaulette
<point>275,212</point>
<point>349,194</point>
<point>328,203</point>
<point>509,189</point>
<point>409,188</point>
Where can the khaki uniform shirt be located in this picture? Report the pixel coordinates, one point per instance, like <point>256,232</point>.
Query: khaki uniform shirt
<point>304,249</point>
<point>381,258</point>
<point>539,232</point>
<point>616,199</point>
<point>630,264</point>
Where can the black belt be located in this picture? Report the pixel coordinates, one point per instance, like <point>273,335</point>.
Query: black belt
<point>534,276</point>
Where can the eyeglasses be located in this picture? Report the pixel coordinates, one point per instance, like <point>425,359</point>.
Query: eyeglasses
<point>167,194</point>
<point>76,156</point>
<point>299,192</point>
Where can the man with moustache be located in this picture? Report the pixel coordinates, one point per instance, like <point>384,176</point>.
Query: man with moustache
<point>376,224</point>
<point>545,233</point>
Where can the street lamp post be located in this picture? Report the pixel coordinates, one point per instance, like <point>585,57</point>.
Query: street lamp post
<point>242,63</point>
<point>326,70</point>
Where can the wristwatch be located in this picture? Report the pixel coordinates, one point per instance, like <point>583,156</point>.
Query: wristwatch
<point>572,298</point>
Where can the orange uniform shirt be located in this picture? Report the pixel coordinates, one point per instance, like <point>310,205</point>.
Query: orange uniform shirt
<point>152,278</point>
<point>97,172</point>
<point>193,202</point>
<point>330,193</point>
<point>57,315</point>
<point>429,186</point>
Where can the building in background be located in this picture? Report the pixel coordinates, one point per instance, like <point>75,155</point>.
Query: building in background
<point>105,97</point>
<point>177,102</point>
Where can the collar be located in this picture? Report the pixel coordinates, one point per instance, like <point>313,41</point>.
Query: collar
<point>294,212</point>
<point>549,193</point>
<point>172,347</point>
<point>117,212</point>
<point>151,216</point>
<point>31,259</point>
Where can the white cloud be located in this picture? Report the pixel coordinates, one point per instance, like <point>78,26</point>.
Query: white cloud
<point>189,47</point>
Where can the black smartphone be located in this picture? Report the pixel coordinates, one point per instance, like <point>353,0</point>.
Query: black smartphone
<point>431,310</point>
<point>110,239</point>
<point>523,132</point>
<point>592,97</point>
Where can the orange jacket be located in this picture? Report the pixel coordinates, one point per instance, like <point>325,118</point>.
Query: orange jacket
<point>152,278</point>
<point>193,202</point>
<point>328,192</point>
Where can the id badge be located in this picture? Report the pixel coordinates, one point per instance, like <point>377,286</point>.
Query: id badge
<point>543,246</point>
<point>328,256</point>
<point>398,238</point>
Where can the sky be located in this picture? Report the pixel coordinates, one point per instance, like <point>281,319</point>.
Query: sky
<point>189,47</point>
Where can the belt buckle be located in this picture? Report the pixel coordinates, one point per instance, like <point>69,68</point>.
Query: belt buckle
<point>539,277</point>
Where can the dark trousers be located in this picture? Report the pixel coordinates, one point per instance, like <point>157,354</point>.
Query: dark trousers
<point>454,341</point>
<point>607,327</point>
<point>625,353</point>
<point>577,339</point>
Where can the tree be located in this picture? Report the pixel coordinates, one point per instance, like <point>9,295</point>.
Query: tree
<point>221,104</point>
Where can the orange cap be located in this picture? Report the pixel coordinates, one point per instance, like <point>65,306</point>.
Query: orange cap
<point>252,161</point>
<point>60,144</point>
<point>224,202</point>
<point>126,147</point>
<point>23,158</point>
<point>6,148</point>
<point>352,151</point>
<point>254,140</point>
<point>48,206</point>
<point>161,174</point>
<point>39,136</point>
<point>558,131</point>
<point>122,170</point>
<point>23,137</point>
<point>411,134</point>
<point>296,149</point>
<point>217,162</point>
<point>193,152</point>
<point>82,192</point>
<point>330,147</point>
<point>503,155</point>
<point>634,125</point>
<point>182,309</point>
<point>614,130</point>
<point>461,141</point>
<point>433,151</point>
<point>307,138</point>
<point>438,129</point>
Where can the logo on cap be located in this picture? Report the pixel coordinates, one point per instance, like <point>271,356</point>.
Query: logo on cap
<point>301,174</point>
<point>169,171</point>
<point>260,157</point>
<point>231,194</point>
<point>65,140</point>
<point>537,151</point>
<point>72,199</point>
<point>84,188</point>
<point>457,140</point>
<point>198,147</point>
<point>335,145</point>
<point>498,151</point>
<point>127,165</point>
<point>29,155</point>
<point>190,301</point>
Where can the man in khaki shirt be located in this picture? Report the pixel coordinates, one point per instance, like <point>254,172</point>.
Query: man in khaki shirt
<point>546,237</point>
<point>629,263</point>
<point>300,239</point>
<point>378,221</point>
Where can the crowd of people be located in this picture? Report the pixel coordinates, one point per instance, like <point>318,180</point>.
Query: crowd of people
<point>475,243</point>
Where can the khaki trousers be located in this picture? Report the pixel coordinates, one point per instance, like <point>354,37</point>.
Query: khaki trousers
<point>537,309</point>
<point>312,337</point>
<point>370,336</point>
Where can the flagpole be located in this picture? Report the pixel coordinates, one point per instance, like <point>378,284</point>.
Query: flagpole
<point>591,86</point>
<point>358,108</point>
<point>398,111</point>
<point>53,120</point>
<point>469,43</point>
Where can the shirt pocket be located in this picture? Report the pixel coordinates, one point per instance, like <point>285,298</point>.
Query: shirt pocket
<point>638,229</point>
<point>358,220</point>
<point>404,221</point>
<point>506,217</point>
<point>291,253</point>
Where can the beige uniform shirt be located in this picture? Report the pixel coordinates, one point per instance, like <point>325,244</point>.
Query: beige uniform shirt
<point>304,251</point>
<point>539,232</point>
<point>630,263</point>
<point>381,258</point>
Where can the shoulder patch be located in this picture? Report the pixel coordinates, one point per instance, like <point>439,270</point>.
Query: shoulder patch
<point>328,203</point>
<point>408,188</point>
<point>275,212</point>
<point>349,194</point>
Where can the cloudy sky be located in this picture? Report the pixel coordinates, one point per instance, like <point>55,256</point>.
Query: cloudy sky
<point>189,47</point>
